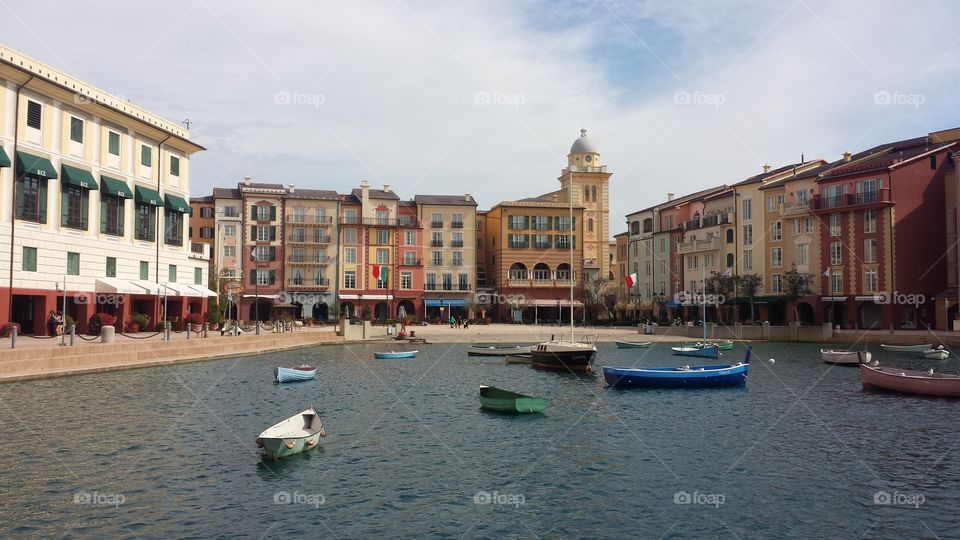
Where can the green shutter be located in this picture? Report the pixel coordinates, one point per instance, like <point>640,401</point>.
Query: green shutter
<point>273,213</point>
<point>103,215</point>
<point>273,253</point>
<point>273,233</point>
<point>253,212</point>
<point>43,202</point>
<point>253,233</point>
<point>84,208</point>
<point>18,186</point>
<point>121,216</point>
<point>526,222</point>
<point>64,208</point>
<point>253,277</point>
<point>273,277</point>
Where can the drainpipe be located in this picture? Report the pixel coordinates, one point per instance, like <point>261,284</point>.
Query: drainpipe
<point>13,197</point>
<point>157,236</point>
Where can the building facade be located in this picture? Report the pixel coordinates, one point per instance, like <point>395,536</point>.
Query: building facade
<point>449,225</point>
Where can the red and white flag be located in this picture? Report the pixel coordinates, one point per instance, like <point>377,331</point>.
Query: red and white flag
<point>631,280</point>
<point>826,273</point>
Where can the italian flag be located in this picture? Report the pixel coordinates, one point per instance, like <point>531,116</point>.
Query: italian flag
<point>380,273</point>
<point>631,280</point>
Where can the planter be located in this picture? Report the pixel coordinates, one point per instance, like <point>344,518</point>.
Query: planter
<point>133,328</point>
<point>196,328</point>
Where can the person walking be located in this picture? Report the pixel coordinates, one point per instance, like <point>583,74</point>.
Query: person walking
<point>52,323</point>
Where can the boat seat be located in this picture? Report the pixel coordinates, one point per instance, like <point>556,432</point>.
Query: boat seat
<point>307,421</point>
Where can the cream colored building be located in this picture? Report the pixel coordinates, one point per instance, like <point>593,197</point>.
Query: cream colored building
<point>450,247</point>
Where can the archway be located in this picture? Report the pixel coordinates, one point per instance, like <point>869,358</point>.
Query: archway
<point>406,309</point>
<point>260,310</point>
<point>348,310</point>
<point>805,313</point>
<point>518,271</point>
<point>871,315</point>
<point>381,311</point>
<point>836,313</point>
<point>297,310</point>
<point>321,311</point>
<point>776,313</point>
<point>541,272</point>
<point>563,271</point>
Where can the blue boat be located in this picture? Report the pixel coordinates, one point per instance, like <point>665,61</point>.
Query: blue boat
<point>395,355</point>
<point>698,350</point>
<point>679,377</point>
<point>301,373</point>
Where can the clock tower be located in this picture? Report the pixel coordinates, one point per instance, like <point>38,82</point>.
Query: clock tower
<point>590,181</point>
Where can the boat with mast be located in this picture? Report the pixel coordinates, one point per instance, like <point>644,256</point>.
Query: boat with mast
<point>704,349</point>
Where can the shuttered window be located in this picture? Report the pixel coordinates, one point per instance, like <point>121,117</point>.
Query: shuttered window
<point>31,203</point>
<point>76,129</point>
<point>34,114</point>
<point>111,267</point>
<point>29,259</point>
<point>145,157</point>
<point>73,263</point>
<point>113,143</point>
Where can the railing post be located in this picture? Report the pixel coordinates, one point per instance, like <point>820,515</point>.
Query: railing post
<point>13,337</point>
<point>73,332</point>
<point>188,330</point>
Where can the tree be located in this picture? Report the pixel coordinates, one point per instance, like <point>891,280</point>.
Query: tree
<point>750,284</point>
<point>594,294</point>
<point>719,286</point>
<point>795,286</point>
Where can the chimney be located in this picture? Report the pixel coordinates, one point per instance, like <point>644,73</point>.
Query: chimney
<point>466,197</point>
<point>847,157</point>
<point>364,192</point>
<point>246,180</point>
<point>291,188</point>
<point>766,168</point>
<point>669,197</point>
<point>386,187</point>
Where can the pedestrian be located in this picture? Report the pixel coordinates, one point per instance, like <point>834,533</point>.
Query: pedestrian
<point>52,323</point>
<point>452,321</point>
<point>59,325</point>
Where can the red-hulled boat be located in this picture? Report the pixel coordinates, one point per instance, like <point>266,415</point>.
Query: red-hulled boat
<point>925,383</point>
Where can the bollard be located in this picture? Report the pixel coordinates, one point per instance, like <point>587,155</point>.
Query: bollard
<point>107,333</point>
<point>73,332</point>
<point>166,330</point>
<point>206,329</point>
<point>188,330</point>
<point>13,338</point>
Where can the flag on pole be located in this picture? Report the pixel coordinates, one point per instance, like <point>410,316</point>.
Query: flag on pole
<point>631,280</point>
<point>826,273</point>
<point>376,272</point>
<point>380,273</point>
<point>728,273</point>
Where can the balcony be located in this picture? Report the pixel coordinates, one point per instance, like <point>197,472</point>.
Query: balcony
<point>411,262</point>
<point>405,221</point>
<point>308,239</point>
<point>294,283</point>
<point>521,282</point>
<point>698,246</point>
<point>456,225</point>
<point>797,208</point>
<point>436,224</point>
<point>293,259</point>
<point>436,243</point>
<point>349,220</point>
<point>310,220</point>
<point>456,243</point>
<point>866,199</point>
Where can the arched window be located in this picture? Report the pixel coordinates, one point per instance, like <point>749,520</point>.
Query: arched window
<point>729,236</point>
<point>563,271</point>
<point>586,193</point>
<point>635,227</point>
<point>648,225</point>
<point>541,271</point>
<point>729,260</point>
<point>593,191</point>
<point>590,225</point>
<point>518,271</point>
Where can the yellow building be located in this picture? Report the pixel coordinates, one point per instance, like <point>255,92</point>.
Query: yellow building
<point>310,258</point>
<point>449,233</point>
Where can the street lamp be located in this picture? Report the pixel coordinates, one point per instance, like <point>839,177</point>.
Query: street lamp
<point>63,334</point>
<point>256,287</point>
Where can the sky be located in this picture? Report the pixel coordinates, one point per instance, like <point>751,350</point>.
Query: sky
<point>487,97</point>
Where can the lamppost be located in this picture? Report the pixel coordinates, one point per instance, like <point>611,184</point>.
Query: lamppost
<point>256,287</point>
<point>63,333</point>
<point>166,334</point>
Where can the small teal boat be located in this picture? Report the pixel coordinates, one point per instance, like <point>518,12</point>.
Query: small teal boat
<point>633,344</point>
<point>395,355</point>
<point>300,373</point>
<point>495,399</point>
<point>299,433</point>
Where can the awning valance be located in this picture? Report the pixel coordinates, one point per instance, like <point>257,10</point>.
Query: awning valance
<point>202,290</point>
<point>76,176</point>
<point>148,196</point>
<point>4,158</point>
<point>117,188</point>
<point>176,204</point>
<point>31,164</point>
<point>446,302</point>
<point>116,286</point>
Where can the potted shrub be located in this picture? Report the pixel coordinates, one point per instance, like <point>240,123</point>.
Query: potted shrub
<point>7,329</point>
<point>138,322</point>
<point>195,320</point>
<point>98,321</point>
<point>214,317</point>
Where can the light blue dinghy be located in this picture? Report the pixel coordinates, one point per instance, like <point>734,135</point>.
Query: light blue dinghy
<point>300,373</point>
<point>395,355</point>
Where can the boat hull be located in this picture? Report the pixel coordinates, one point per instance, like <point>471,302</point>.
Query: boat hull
<point>567,360</point>
<point>845,358</point>
<point>909,381</point>
<point>284,375</point>
<point>907,348</point>
<point>936,354</point>
<point>395,355</point>
<point>710,376</point>
<point>494,399</point>
<point>520,359</point>
<point>698,352</point>
<point>497,351</point>
<point>279,448</point>
<point>632,345</point>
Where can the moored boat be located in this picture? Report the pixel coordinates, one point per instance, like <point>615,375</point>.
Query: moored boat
<point>848,358</point>
<point>564,354</point>
<point>938,353</point>
<point>296,434</point>
<point>496,399</point>
<point>680,377</point>
<point>395,355</point>
<point>520,359</point>
<point>299,373</point>
<point>926,383</point>
<point>907,348</point>
<point>697,350</point>
<point>633,344</point>
<point>493,350</point>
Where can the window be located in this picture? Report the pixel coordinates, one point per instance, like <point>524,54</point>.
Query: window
<point>564,241</point>
<point>32,198</point>
<point>463,282</point>
<point>518,223</point>
<point>747,235</point>
<point>206,212</point>
<point>436,239</point>
<point>406,280</point>
<point>206,232</point>
<point>410,258</point>
<point>481,277</point>
<point>383,217</point>
<point>264,253</point>
<point>447,282</point>
<point>76,129</point>
<point>265,212</point>
<point>517,271</point>
<point>803,254</point>
<point>479,243</point>
<point>593,193</point>
<point>383,237</point>
<point>174,166</point>
<point>836,253</point>
<point>173,233</point>
<point>834,224</point>
<point>263,234</point>
<point>145,157</point>
<point>299,215</point>
<point>111,270</point>
<point>729,236</point>
<point>456,240</point>
<point>797,226</point>
<point>436,258</point>
<point>565,223</point>
<point>729,260</point>
<point>836,281</point>
<point>172,273</point>
<point>350,255</point>
<point>542,223</point>
<point>144,270</point>
<point>350,235</point>
<point>870,281</point>
<point>518,240</point>
<point>747,209</point>
<point>410,238</point>
<point>383,256</point>
<point>74,201</point>
<point>457,258</point>
<point>296,277</point>
<point>262,277</point>
<point>297,255</point>
<point>542,241</point>
<point>456,221</point>
<point>776,231</point>
<point>230,231</point>
<point>808,225</point>
<point>350,216</point>
<point>748,260</point>
<point>229,251</point>
<point>73,263</point>
<point>870,250</point>
<point>586,193</point>
<point>590,225</point>
<point>431,284</point>
<point>198,276</point>
<point>870,221</point>
<point>776,257</point>
<point>29,263</point>
<point>771,204</point>
<point>34,114</point>
<point>230,211</point>
<point>776,283</point>
<point>111,214</point>
<point>113,143</point>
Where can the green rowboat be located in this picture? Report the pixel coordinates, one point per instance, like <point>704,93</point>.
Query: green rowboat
<point>299,433</point>
<point>495,399</point>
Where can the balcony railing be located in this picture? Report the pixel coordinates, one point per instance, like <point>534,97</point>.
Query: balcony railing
<point>310,220</point>
<point>865,198</point>
<point>308,239</point>
<point>436,243</point>
<point>456,225</point>
<point>436,224</point>
<point>305,283</point>
<point>411,262</point>
<point>698,245</point>
<point>405,221</point>
<point>529,282</point>
<point>199,250</point>
<point>310,260</point>
<point>453,287</point>
<point>800,207</point>
<point>456,243</point>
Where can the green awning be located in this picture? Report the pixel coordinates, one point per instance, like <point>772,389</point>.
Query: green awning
<point>31,164</point>
<point>78,177</point>
<point>117,188</point>
<point>4,158</point>
<point>176,204</point>
<point>147,195</point>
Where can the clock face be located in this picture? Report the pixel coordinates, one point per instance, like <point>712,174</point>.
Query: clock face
<point>588,158</point>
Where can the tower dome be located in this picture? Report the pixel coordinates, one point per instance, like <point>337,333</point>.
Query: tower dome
<point>583,145</point>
